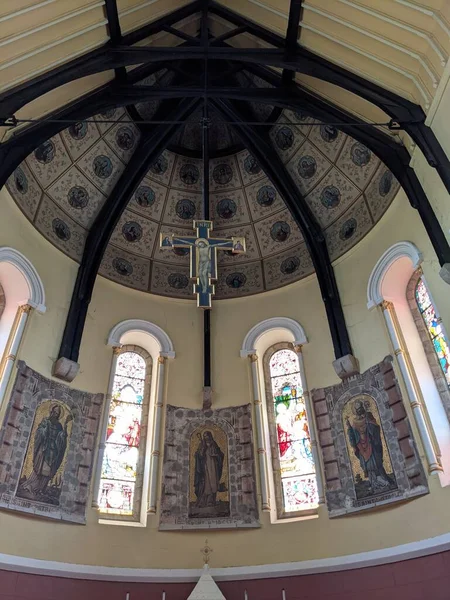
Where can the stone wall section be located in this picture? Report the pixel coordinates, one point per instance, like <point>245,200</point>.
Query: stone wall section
<point>438,375</point>
<point>30,390</point>
<point>180,424</point>
<point>381,384</point>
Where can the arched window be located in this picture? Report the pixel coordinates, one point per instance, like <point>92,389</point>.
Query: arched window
<point>290,439</point>
<point>122,472</point>
<point>433,325</point>
<point>420,345</point>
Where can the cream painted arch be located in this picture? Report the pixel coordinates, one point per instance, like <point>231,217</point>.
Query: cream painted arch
<point>255,333</point>
<point>24,291</point>
<point>140,326</point>
<point>392,254</point>
<point>131,331</point>
<point>15,258</point>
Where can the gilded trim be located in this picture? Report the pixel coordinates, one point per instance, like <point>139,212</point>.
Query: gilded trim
<point>253,357</point>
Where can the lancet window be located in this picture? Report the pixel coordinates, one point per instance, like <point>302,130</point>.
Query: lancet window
<point>292,456</point>
<point>434,327</point>
<point>122,471</point>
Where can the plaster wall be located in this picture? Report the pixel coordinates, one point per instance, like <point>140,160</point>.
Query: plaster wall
<point>145,547</point>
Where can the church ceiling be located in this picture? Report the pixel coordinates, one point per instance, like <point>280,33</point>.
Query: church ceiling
<point>402,45</point>
<point>63,184</point>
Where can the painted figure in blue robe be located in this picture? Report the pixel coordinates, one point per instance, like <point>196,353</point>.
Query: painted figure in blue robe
<point>208,470</point>
<point>364,435</point>
<point>50,443</point>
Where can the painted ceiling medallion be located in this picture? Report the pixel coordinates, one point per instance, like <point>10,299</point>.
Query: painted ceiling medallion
<point>178,281</point>
<point>45,153</point>
<point>78,130</point>
<point>108,114</point>
<point>348,229</point>
<point>78,197</point>
<point>189,174</point>
<point>102,166</point>
<point>284,138</point>
<point>280,231</point>
<point>20,179</point>
<point>185,209</point>
<point>160,166</point>
<point>290,265</point>
<point>386,182</point>
<point>330,196</point>
<point>125,138</point>
<point>226,208</point>
<point>360,155</point>
<point>266,195</point>
<point>132,231</point>
<point>328,133</point>
<point>307,167</point>
<point>61,229</point>
<point>123,267</point>
<point>222,174</point>
<point>251,165</point>
<point>236,280</point>
<point>145,196</point>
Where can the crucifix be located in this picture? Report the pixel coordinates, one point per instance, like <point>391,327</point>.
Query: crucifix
<point>203,254</point>
<point>204,257</point>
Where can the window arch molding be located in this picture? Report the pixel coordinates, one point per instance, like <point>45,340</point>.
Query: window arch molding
<point>399,250</point>
<point>150,340</point>
<point>387,291</point>
<point>275,333</point>
<point>23,290</point>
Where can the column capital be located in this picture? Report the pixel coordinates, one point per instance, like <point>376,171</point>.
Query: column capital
<point>386,305</point>
<point>297,348</point>
<point>161,360</point>
<point>25,308</point>
<point>253,357</point>
<point>116,350</point>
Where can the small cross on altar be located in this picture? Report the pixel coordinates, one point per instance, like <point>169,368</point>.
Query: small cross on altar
<point>204,257</point>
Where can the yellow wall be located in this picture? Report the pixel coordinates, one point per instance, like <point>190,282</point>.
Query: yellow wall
<point>231,319</point>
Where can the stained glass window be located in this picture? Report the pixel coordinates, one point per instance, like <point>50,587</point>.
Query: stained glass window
<point>123,446</point>
<point>297,471</point>
<point>434,327</point>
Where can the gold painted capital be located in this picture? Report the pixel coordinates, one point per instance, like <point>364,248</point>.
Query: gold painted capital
<point>297,348</point>
<point>398,351</point>
<point>161,360</point>
<point>11,357</point>
<point>116,350</point>
<point>25,308</point>
<point>386,305</point>
<point>253,357</point>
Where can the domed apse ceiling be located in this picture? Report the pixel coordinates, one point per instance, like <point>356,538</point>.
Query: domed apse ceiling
<point>63,184</point>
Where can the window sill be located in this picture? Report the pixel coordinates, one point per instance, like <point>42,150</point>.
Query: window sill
<point>123,523</point>
<point>295,517</point>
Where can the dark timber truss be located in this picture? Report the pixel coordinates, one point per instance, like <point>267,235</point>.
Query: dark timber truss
<point>205,68</point>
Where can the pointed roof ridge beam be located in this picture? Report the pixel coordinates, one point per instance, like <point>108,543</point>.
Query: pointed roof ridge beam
<point>112,14</point>
<point>260,147</point>
<point>292,33</point>
<point>97,240</point>
<point>92,62</point>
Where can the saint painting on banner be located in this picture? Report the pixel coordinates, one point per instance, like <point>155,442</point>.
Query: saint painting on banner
<point>209,495</point>
<point>43,468</point>
<point>369,456</point>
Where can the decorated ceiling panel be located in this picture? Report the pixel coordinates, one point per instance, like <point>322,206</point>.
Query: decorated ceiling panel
<point>63,184</point>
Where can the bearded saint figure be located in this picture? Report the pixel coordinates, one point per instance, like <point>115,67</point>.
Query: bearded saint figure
<point>50,443</point>
<point>364,435</point>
